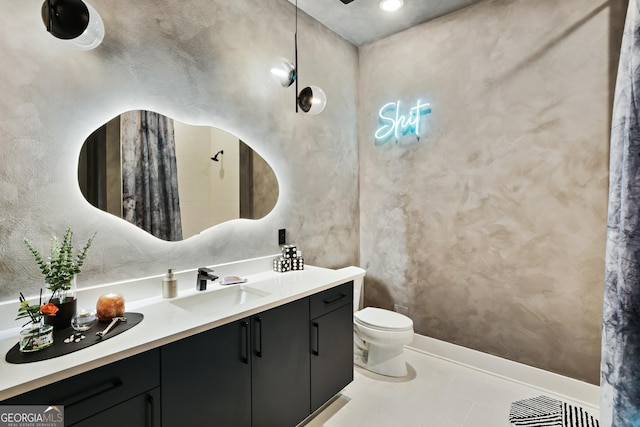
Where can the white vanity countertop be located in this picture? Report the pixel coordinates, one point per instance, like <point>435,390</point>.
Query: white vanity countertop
<point>163,321</point>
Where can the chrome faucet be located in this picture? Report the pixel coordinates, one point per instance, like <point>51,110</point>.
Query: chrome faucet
<point>204,274</point>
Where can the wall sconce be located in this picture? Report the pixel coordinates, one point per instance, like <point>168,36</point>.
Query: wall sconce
<point>75,22</point>
<point>283,72</point>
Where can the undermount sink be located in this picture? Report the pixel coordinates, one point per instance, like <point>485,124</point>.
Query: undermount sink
<point>217,300</point>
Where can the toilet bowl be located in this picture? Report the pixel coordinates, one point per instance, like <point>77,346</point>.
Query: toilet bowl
<point>379,335</point>
<point>379,340</point>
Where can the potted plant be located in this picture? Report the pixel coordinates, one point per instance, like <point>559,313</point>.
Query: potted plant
<point>59,272</point>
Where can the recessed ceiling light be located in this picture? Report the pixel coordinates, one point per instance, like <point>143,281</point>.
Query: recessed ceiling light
<point>391,5</point>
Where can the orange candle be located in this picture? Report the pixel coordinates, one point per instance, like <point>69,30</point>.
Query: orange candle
<point>109,306</point>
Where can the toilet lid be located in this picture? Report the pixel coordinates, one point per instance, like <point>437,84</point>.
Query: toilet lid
<point>383,319</point>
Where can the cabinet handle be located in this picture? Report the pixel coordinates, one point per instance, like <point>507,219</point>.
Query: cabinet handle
<point>258,336</point>
<point>96,391</point>
<point>316,340</point>
<point>151,416</point>
<point>334,299</point>
<point>245,342</point>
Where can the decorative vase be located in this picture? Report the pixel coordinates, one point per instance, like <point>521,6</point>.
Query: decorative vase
<point>66,310</point>
<point>65,300</point>
<point>36,336</point>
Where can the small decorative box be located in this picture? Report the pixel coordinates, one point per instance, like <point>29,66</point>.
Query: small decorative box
<point>289,251</point>
<point>281,264</point>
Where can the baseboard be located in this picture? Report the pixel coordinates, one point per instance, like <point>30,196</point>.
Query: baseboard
<point>585,394</point>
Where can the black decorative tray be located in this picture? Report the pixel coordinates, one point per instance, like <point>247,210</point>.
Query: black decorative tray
<point>60,348</point>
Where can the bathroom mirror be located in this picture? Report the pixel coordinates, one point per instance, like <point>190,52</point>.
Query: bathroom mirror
<point>171,179</point>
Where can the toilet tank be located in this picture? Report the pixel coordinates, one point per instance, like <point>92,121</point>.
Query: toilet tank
<point>358,285</point>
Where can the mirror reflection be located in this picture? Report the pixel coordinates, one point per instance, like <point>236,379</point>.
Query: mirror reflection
<point>171,179</point>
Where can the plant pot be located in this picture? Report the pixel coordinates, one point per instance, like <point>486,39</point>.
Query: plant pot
<point>35,337</point>
<point>66,310</point>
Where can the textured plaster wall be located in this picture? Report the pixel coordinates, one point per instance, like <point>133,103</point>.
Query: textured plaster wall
<point>200,62</point>
<point>491,228</point>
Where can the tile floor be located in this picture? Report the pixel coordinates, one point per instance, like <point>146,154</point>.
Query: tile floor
<point>436,393</point>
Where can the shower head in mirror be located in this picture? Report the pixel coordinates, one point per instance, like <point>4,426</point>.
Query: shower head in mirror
<point>215,158</point>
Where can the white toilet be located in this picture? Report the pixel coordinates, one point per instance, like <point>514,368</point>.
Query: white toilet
<point>379,335</point>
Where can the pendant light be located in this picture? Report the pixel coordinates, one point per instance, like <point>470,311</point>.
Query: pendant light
<point>312,100</point>
<point>75,22</point>
<point>283,72</point>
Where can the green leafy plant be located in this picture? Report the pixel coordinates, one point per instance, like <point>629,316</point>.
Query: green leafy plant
<point>27,310</point>
<point>61,266</point>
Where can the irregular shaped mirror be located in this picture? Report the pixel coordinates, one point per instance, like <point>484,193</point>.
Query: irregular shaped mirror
<point>171,179</point>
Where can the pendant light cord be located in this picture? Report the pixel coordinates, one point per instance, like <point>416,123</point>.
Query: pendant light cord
<point>296,55</point>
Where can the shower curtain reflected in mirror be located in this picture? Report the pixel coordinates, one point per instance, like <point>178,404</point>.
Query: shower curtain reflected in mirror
<point>620,365</point>
<point>149,174</point>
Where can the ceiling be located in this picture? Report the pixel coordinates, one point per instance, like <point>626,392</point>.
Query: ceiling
<point>362,21</point>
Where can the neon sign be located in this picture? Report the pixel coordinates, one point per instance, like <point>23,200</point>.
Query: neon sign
<point>394,124</point>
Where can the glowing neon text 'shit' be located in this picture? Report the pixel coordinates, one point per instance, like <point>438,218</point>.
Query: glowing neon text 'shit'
<point>395,124</point>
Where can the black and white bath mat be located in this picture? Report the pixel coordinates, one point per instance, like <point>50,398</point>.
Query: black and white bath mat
<point>543,411</point>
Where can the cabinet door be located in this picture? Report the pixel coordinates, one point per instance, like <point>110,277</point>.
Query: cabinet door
<point>280,356</point>
<point>139,411</point>
<point>331,354</point>
<point>87,394</point>
<point>206,378</point>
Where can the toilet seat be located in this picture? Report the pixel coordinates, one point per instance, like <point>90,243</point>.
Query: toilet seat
<point>383,320</point>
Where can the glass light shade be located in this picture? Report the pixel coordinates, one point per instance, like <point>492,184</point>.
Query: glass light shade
<point>92,35</point>
<point>312,100</point>
<point>391,5</point>
<point>282,72</point>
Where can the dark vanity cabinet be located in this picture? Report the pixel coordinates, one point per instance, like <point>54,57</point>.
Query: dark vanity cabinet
<point>141,410</point>
<point>280,365</point>
<point>331,315</point>
<point>124,393</point>
<point>272,369</point>
<point>206,378</point>
<point>252,372</point>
